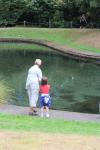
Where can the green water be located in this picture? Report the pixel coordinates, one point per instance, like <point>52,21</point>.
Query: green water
<point>75,84</point>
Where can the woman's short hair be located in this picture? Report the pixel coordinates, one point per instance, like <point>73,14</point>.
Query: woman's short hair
<point>38,61</point>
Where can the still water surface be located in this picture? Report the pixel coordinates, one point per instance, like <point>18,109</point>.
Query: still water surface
<point>75,84</point>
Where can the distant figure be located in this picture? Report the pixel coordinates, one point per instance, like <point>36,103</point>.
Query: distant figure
<point>83,21</point>
<point>45,99</point>
<point>33,84</point>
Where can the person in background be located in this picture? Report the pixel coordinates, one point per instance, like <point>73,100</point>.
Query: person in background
<point>83,21</point>
<point>45,98</point>
<point>33,85</point>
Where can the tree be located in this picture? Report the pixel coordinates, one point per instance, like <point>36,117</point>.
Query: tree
<point>48,12</point>
<point>14,8</point>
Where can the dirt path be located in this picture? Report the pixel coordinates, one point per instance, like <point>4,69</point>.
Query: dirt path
<point>44,141</point>
<point>54,114</point>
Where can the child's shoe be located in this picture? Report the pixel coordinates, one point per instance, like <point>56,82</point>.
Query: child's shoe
<point>42,115</point>
<point>47,115</point>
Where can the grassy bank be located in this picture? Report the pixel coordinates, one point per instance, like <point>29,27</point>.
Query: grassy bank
<point>21,46</point>
<point>82,39</point>
<point>36,124</point>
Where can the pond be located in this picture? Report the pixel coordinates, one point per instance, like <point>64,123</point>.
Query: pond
<point>75,84</point>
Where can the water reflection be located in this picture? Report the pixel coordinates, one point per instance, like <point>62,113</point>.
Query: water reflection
<point>75,84</point>
<point>6,93</point>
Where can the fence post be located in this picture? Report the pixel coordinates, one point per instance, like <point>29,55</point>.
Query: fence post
<point>24,23</point>
<point>71,24</point>
<point>99,107</point>
<point>49,23</point>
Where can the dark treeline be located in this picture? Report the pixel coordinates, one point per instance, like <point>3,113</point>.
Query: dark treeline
<point>49,13</point>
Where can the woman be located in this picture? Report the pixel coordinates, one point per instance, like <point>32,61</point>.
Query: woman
<point>32,85</point>
<point>83,21</point>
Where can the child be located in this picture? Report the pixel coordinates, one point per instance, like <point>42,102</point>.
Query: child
<point>45,99</point>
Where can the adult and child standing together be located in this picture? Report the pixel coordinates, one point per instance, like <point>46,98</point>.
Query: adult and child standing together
<point>37,85</point>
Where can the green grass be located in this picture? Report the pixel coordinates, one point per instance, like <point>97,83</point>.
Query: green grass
<point>36,124</point>
<point>69,37</point>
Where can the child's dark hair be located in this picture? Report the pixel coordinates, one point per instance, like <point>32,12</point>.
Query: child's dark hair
<point>44,81</point>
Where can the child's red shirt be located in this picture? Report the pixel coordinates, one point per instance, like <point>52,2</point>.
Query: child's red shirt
<point>45,89</point>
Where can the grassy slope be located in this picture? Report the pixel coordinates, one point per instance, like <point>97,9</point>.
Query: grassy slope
<point>82,39</point>
<point>28,123</point>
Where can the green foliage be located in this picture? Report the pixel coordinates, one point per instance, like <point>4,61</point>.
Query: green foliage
<point>13,10</point>
<point>45,11</point>
<point>57,20</point>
